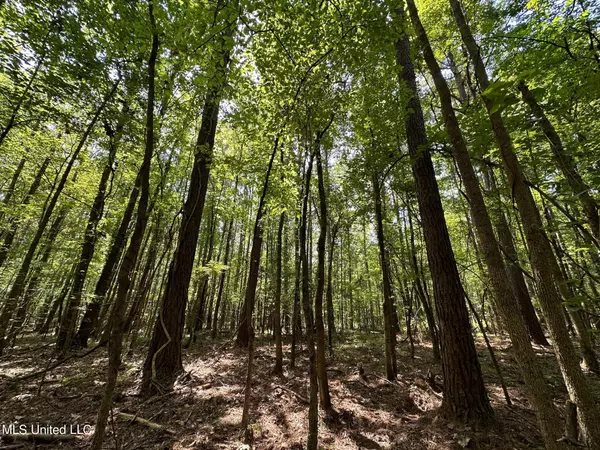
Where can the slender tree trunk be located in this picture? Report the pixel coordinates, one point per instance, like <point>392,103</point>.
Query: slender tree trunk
<point>13,117</point>
<point>313,413</point>
<point>464,391</point>
<point>329,293</point>
<point>222,277</point>
<point>19,284</point>
<point>296,318</point>
<point>278,282</point>
<point>163,360</point>
<point>565,161</point>
<point>391,369</point>
<point>325,397</point>
<point>249,300</point>
<point>244,329</point>
<point>67,328</point>
<point>115,343</point>
<point>89,323</point>
<point>35,278</point>
<point>13,184</point>
<point>542,257</point>
<point>517,281</point>
<point>538,390</point>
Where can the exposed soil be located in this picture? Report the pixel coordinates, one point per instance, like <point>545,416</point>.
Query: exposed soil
<point>204,409</point>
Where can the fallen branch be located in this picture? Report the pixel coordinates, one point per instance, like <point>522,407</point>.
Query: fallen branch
<point>153,425</point>
<point>300,397</point>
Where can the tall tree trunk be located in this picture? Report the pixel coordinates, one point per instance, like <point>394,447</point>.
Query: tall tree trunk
<point>35,278</point>
<point>296,316</point>
<point>278,282</point>
<point>163,360</point>
<point>10,234</point>
<point>115,343</point>
<point>464,391</point>
<point>543,260</point>
<point>89,323</point>
<point>222,277</point>
<point>329,293</point>
<point>249,299</point>
<point>515,274</point>
<point>204,288</point>
<point>147,274</point>
<point>67,327</point>
<point>19,284</point>
<point>245,328</point>
<point>391,369</point>
<point>538,390</point>
<point>325,397</point>
<point>313,412</point>
<point>564,160</point>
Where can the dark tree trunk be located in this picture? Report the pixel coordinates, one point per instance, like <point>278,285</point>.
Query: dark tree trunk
<point>389,328</point>
<point>46,319</point>
<point>245,328</point>
<point>329,293</point>
<point>163,360</point>
<point>67,327</point>
<point>13,117</point>
<point>89,323</point>
<point>278,282</point>
<point>325,397</point>
<point>13,184</point>
<point>464,391</point>
<point>35,278</point>
<point>115,343</point>
<point>249,299</point>
<point>296,317</point>
<point>313,412</point>
<point>222,277</point>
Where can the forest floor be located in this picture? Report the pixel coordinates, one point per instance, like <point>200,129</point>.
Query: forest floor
<point>204,410</point>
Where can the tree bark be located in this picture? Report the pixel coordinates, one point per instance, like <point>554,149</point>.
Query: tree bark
<point>278,282</point>
<point>67,327</point>
<point>313,413</point>
<point>89,323</point>
<point>325,397</point>
<point>115,343</point>
<point>542,257</point>
<point>35,278</point>
<point>517,281</point>
<point>538,390</point>
<point>249,299</point>
<point>464,391</point>
<point>13,184</point>
<point>329,293</point>
<point>222,277</point>
<point>391,369</point>
<point>163,360</point>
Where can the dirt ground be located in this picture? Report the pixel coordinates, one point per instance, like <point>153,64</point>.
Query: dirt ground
<point>205,408</point>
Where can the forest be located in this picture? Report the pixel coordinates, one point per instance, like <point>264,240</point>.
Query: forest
<point>299,224</point>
